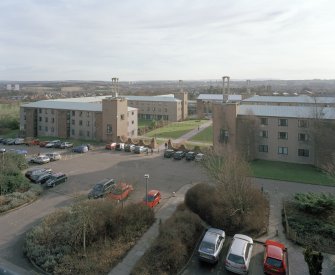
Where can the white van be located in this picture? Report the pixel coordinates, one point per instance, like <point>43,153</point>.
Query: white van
<point>239,255</point>
<point>19,141</point>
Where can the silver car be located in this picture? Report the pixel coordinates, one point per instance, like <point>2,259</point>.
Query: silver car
<point>211,245</point>
<point>41,159</point>
<point>53,156</point>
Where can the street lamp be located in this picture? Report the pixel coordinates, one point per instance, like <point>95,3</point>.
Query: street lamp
<point>146,176</point>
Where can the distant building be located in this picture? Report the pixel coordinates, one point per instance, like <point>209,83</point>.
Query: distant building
<point>17,87</point>
<point>282,126</point>
<point>9,87</point>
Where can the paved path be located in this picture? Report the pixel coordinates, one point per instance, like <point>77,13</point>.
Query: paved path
<point>128,263</point>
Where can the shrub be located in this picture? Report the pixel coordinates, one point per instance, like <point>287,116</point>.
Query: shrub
<point>313,203</point>
<point>171,250</point>
<point>57,244</point>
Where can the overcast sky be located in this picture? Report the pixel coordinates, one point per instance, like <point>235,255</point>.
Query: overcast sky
<point>166,39</point>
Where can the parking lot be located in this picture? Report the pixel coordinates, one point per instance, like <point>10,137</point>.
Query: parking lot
<point>196,267</point>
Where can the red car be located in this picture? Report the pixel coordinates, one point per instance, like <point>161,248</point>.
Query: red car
<point>153,198</point>
<point>121,191</point>
<point>110,146</point>
<point>275,258</point>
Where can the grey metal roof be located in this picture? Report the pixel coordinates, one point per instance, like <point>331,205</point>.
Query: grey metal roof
<point>165,98</point>
<point>152,98</point>
<point>290,99</point>
<point>287,111</point>
<point>219,97</point>
<point>63,105</point>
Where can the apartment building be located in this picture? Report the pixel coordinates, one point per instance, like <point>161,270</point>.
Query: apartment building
<point>105,120</point>
<point>281,128</point>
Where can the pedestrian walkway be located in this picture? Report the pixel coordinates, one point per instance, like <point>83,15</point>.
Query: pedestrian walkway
<point>132,257</point>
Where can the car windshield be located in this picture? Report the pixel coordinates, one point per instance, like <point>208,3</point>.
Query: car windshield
<point>274,262</point>
<point>236,259</point>
<point>150,198</point>
<point>98,187</point>
<point>207,247</point>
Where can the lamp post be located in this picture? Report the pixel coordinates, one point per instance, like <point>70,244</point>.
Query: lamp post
<point>146,176</point>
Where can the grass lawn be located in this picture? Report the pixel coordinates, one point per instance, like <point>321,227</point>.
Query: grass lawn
<point>11,110</point>
<point>290,172</point>
<point>204,136</point>
<point>144,122</point>
<point>175,130</point>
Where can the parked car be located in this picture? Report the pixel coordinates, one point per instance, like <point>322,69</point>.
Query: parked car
<point>110,146</point>
<point>9,141</point>
<point>199,157</point>
<point>179,155</point>
<point>80,149</point>
<point>53,144</point>
<point>152,198</point>
<point>101,189</point>
<point>121,191</point>
<point>19,141</point>
<point>40,178</point>
<point>41,159</point>
<point>239,254</point>
<point>53,156</point>
<point>129,147</point>
<point>55,179</point>
<point>119,146</point>
<point>43,143</point>
<point>65,145</point>
<point>30,141</point>
<point>190,155</point>
<point>168,153</point>
<point>140,149</point>
<point>35,171</point>
<point>275,258</point>
<point>211,245</point>
<point>21,152</point>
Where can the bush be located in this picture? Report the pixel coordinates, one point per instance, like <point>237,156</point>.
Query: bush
<point>57,243</point>
<point>315,204</point>
<point>173,247</point>
<point>213,206</point>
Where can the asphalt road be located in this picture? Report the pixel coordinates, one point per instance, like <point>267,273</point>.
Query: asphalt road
<point>84,170</point>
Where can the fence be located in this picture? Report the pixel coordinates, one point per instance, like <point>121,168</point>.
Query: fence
<point>317,242</point>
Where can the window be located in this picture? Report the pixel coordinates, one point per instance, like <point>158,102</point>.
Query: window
<point>40,111</point>
<point>80,122</point>
<point>46,119</point>
<point>109,128</point>
<point>303,152</point>
<point>73,113</point>
<point>88,133</point>
<point>39,118</point>
<point>122,117</point>
<point>87,123</point>
<point>282,150</point>
<point>53,120</point>
<point>88,114</point>
<point>132,122</point>
<point>302,137</point>
<point>282,122</point>
<point>72,132</point>
<point>52,129</point>
<point>40,128</point>
<point>264,121</point>
<point>52,111</point>
<point>72,121</point>
<point>24,118</point>
<point>263,148</point>
<point>153,109</point>
<point>263,134</point>
<point>302,123</point>
<point>80,113</point>
<point>224,135</point>
<point>46,111</point>
<point>165,109</point>
<point>46,128</point>
<point>282,135</point>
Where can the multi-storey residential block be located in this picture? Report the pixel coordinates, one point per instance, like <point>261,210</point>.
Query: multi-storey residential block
<point>280,128</point>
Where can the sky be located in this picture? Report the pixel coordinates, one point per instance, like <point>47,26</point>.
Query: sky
<point>166,39</point>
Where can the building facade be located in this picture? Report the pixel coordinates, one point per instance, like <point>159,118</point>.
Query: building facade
<point>79,120</point>
<point>272,128</point>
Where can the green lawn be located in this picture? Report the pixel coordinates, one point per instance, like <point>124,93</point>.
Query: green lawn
<point>11,110</point>
<point>290,172</point>
<point>144,122</point>
<point>175,130</point>
<point>204,136</point>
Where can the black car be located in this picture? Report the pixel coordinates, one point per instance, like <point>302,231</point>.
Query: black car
<point>36,171</point>
<point>101,189</point>
<point>55,179</point>
<point>168,153</point>
<point>190,155</point>
<point>179,155</point>
<point>40,178</point>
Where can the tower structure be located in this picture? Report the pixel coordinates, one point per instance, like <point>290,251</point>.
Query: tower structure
<point>115,86</point>
<point>248,86</point>
<point>225,88</point>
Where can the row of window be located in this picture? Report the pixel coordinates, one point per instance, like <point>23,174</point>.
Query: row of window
<point>73,122</point>
<point>284,135</point>
<point>283,150</point>
<point>302,123</point>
